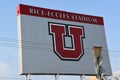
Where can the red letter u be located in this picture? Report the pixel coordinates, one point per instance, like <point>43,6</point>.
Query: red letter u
<point>59,31</point>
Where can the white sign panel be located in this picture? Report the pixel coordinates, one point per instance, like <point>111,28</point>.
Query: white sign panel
<point>59,42</point>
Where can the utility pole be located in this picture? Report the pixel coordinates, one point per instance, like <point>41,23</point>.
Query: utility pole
<point>57,77</point>
<point>81,77</point>
<point>96,50</point>
<point>28,77</point>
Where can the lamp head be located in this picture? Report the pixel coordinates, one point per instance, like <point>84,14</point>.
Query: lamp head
<point>96,50</point>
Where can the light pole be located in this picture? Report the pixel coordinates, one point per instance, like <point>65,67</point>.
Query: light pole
<point>96,50</point>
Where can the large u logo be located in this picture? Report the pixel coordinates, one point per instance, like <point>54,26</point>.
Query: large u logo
<point>59,31</point>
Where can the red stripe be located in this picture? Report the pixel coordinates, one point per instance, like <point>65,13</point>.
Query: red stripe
<point>56,14</point>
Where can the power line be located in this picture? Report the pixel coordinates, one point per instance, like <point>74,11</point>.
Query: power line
<point>10,78</point>
<point>8,42</point>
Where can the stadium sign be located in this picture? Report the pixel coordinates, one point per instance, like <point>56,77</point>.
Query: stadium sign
<point>59,42</point>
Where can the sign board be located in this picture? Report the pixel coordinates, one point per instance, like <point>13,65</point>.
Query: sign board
<point>59,42</point>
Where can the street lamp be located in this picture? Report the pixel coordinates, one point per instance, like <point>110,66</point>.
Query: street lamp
<point>96,50</point>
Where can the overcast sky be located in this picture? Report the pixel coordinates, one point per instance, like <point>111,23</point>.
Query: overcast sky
<point>108,9</point>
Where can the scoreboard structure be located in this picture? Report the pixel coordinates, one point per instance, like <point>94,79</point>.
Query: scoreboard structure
<point>59,42</point>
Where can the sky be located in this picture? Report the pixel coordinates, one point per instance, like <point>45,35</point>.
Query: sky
<point>108,9</point>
